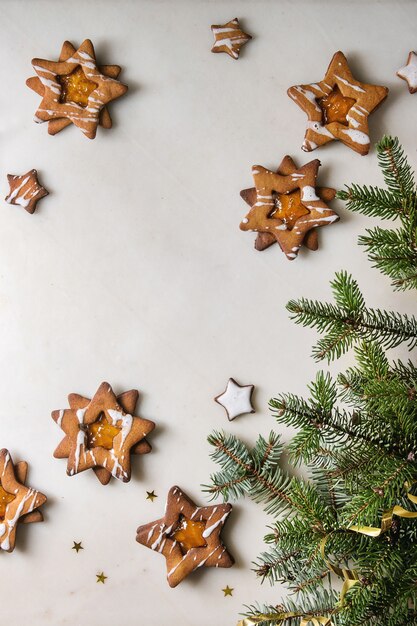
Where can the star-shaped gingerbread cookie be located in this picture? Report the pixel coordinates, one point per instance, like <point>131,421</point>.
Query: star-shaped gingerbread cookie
<point>25,190</point>
<point>56,125</point>
<point>236,399</point>
<point>74,88</point>
<point>18,503</point>
<point>188,536</point>
<point>229,38</point>
<point>409,72</point>
<point>338,107</point>
<point>287,207</point>
<point>102,433</point>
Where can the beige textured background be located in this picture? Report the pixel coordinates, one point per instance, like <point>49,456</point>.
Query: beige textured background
<point>134,271</point>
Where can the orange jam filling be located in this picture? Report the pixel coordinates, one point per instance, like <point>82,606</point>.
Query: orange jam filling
<point>288,207</point>
<point>101,433</point>
<point>75,87</point>
<point>189,534</point>
<point>335,107</point>
<point>5,498</point>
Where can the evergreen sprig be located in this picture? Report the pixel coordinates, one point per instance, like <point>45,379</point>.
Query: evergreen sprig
<point>349,321</point>
<point>393,252</point>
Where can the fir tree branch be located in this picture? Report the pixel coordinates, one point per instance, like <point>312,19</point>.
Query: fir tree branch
<point>254,473</point>
<point>349,321</point>
<point>393,252</point>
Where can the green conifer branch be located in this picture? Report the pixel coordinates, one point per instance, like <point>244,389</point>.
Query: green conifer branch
<point>250,472</point>
<point>349,321</point>
<point>393,252</point>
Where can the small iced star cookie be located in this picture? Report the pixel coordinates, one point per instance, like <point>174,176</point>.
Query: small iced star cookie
<point>236,399</point>
<point>409,72</point>
<point>25,190</point>
<point>229,38</point>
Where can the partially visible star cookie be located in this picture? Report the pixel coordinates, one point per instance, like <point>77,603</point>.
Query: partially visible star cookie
<point>187,536</point>
<point>18,503</point>
<point>25,190</point>
<point>56,125</point>
<point>338,107</point>
<point>102,433</point>
<point>229,38</point>
<point>236,399</point>
<point>409,72</point>
<point>287,207</point>
<point>75,88</point>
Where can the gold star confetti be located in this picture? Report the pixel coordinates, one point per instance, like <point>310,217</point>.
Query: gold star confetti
<point>77,546</point>
<point>101,578</point>
<point>228,591</point>
<point>151,495</point>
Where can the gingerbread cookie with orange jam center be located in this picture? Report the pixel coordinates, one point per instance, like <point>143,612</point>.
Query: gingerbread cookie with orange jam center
<point>102,433</point>
<point>18,504</point>
<point>187,536</point>
<point>338,107</point>
<point>287,207</point>
<point>75,90</point>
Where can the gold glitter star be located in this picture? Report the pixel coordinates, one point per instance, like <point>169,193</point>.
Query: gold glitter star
<point>77,546</point>
<point>151,495</point>
<point>101,578</point>
<point>228,591</point>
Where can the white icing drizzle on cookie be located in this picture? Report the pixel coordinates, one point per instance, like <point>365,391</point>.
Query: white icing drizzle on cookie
<point>9,523</point>
<point>348,84</point>
<point>209,529</point>
<point>357,136</point>
<point>29,192</point>
<point>308,194</point>
<point>229,36</point>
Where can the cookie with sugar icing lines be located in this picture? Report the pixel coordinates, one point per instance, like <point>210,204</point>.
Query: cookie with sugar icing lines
<point>229,38</point>
<point>75,89</point>
<point>19,504</point>
<point>338,107</point>
<point>56,125</point>
<point>187,536</point>
<point>409,72</point>
<point>287,207</point>
<point>25,190</point>
<point>102,433</point>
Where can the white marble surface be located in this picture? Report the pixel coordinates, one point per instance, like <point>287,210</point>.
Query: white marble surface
<point>134,271</point>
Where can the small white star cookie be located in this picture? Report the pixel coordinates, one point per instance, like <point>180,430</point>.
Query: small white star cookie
<point>409,72</point>
<point>236,399</point>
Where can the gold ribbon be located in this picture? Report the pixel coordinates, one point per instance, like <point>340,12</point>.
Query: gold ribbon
<point>280,617</point>
<point>387,518</point>
<point>349,576</point>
